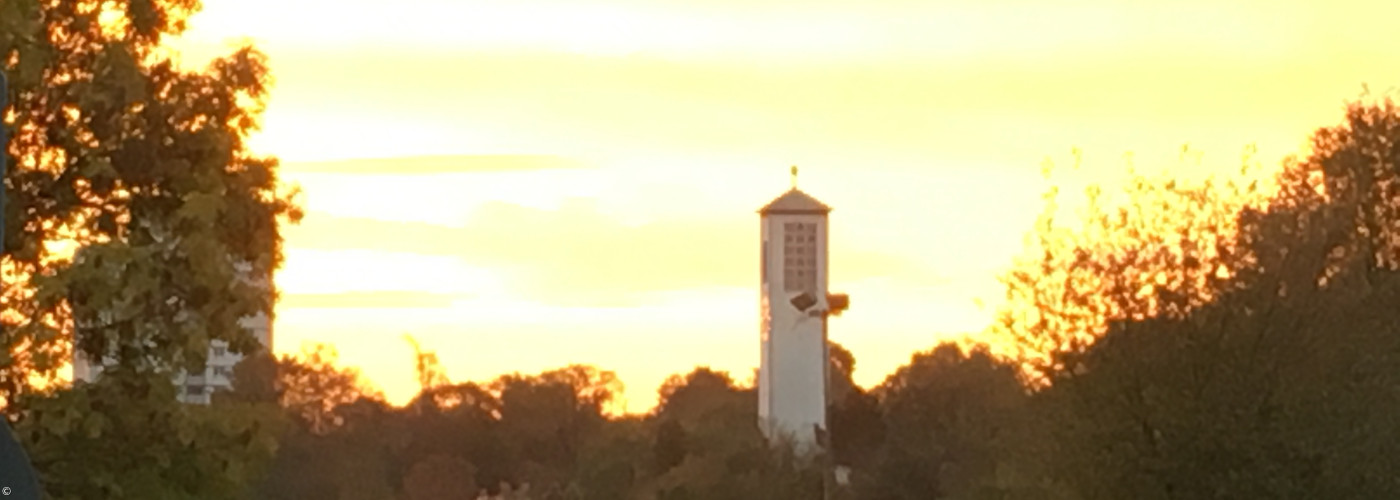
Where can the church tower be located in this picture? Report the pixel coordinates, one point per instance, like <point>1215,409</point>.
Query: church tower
<point>794,306</point>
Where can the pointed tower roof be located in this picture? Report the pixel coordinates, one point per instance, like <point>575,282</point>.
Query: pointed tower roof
<point>795,202</point>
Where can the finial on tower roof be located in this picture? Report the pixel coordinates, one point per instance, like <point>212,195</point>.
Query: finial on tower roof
<point>795,201</point>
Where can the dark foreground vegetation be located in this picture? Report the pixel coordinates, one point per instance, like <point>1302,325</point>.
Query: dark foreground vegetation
<point>1230,339</point>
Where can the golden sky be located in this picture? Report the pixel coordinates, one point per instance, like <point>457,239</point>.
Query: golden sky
<point>526,184</point>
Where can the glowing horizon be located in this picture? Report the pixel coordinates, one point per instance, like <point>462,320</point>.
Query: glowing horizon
<point>531,185</point>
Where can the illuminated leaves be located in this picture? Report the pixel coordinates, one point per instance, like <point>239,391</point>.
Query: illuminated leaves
<point>312,388</point>
<point>143,168</point>
<point>1159,247</point>
<point>1355,167</point>
<point>1276,379</point>
<point>140,229</point>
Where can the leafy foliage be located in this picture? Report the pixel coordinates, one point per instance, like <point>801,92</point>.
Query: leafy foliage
<point>140,227</point>
<point>130,438</point>
<point>1163,247</point>
<point>312,388</point>
<point>440,476</point>
<point>944,417</point>
<point>1281,385</point>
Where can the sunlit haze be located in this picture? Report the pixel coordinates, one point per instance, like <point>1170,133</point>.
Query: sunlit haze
<point>525,185</point>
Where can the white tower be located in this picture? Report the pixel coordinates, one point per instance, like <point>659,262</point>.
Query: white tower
<point>794,306</point>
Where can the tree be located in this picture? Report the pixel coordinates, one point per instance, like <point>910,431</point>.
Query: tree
<point>139,225</point>
<point>1162,248</point>
<point>946,415</point>
<point>1256,396</point>
<point>742,466</point>
<point>841,374</point>
<point>857,428</point>
<point>430,372</point>
<point>710,414</point>
<point>254,379</point>
<point>853,414</point>
<point>1278,386</point>
<point>689,399</point>
<point>338,447</point>
<point>102,440</point>
<point>351,462</point>
<point>1358,164</point>
<point>614,460</point>
<point>547,418</point>
<point>669,448</point>
<point>705,443</point>
<point>312,388</point>
<point>441,477</point>
<point>460,420</point>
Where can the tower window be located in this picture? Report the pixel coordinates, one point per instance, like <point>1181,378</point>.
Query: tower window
<point>799,257</point>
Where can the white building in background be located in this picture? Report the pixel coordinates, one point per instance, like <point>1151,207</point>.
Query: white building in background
<point>218,371</point>
<point>794,307</point>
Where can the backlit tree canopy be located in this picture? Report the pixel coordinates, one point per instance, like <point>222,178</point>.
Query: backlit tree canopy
<point>1162,246</point>
<point>1168,247</point>
<point>137,216</point>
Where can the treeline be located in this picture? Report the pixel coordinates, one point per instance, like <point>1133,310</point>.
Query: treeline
<point>1184,340</point>
<point>1210,340</point>
<point>1222,339</point>
<point>1227,339</point>
<point>1233,338</point>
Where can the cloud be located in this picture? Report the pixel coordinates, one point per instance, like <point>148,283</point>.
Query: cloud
<point>565,104</point>
<point>578,255</point>
<point>782,27</point>
<point>369,300</point>
<point>321,231</point>
<point>432,165</point>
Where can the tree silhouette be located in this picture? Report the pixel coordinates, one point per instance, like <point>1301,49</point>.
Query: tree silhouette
<point>1279,386</point>
<point>169,223</point>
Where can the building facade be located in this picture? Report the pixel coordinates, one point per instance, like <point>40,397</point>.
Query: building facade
<point>199,388</point>
<point>794,306</point>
